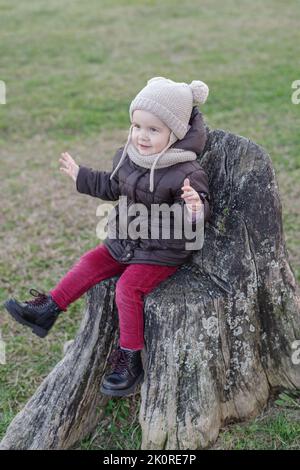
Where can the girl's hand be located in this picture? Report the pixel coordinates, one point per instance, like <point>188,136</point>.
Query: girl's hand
<point>69,166</point>
<point>191,197</point>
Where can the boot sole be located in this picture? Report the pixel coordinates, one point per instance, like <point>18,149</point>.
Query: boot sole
<point>13,311</point>
<point>123,392</point>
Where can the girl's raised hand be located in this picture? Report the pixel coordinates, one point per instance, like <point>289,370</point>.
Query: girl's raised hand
<point>69,166</point>
<point>190,196</point>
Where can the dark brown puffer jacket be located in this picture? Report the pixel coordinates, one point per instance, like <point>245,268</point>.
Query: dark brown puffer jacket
<point>132,181</point>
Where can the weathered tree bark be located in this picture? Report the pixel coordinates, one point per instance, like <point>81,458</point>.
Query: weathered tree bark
<point>219,332</point>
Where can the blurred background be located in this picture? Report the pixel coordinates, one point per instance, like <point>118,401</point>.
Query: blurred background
<point>71,69</point>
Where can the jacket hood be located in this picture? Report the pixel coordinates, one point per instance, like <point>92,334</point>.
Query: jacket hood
<point>195,139</point>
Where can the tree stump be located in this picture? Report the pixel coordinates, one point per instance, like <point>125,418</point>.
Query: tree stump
<point>219,333</point>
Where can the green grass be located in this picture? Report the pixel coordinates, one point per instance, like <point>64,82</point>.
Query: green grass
<point>119,429</point>
<point>71,69</point>
<point>278,428</point>
<point>277,433</point>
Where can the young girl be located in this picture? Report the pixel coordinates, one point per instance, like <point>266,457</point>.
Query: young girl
<point>166,134</point>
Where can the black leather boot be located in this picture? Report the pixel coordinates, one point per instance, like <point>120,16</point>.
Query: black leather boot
<point>39,314</point>
<point>127,373</point>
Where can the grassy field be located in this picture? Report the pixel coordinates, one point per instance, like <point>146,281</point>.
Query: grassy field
<point>71,69</point>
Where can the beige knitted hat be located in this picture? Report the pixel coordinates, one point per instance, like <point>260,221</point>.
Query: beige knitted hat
<point>172,103</point>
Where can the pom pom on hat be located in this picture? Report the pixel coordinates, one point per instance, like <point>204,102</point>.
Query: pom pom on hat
<point>200,91</point>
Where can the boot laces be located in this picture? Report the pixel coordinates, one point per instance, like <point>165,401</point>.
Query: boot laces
<point>41,298</point>
<point>119,360</point>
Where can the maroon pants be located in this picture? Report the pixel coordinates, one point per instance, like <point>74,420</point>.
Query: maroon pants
<point>135,281</point>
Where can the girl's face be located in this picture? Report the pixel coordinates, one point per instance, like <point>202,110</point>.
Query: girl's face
<point>149,134</point>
